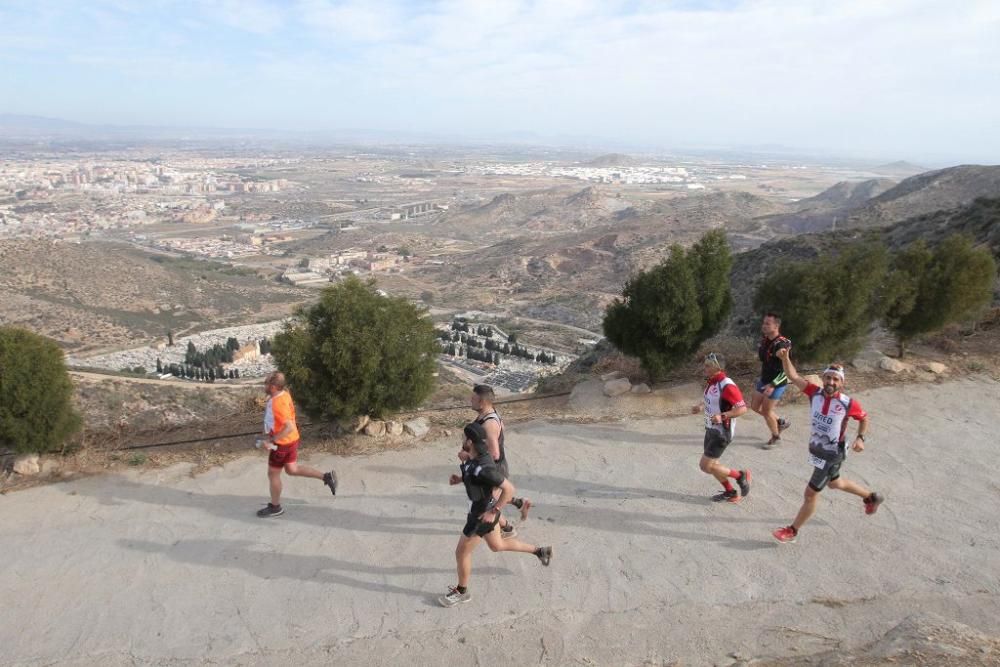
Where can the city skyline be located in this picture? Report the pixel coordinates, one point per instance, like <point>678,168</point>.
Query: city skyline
<point>916,80</point>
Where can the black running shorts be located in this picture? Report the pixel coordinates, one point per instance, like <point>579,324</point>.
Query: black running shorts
<point>821,477</point>
<point>715,443</point>
<point>473,526</point>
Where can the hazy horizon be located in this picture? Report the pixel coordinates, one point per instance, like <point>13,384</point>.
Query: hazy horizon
<point>915,80</point>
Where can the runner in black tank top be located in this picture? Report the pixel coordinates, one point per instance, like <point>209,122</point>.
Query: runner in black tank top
<point>482,402</point>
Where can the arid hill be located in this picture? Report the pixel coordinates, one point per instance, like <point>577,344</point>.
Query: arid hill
<point>92,295</point>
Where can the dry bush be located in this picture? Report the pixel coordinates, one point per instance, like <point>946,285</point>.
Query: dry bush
<point>946,340</point>
<point>740,353</point>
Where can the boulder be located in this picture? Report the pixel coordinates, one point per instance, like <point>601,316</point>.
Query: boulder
<point>393,428</point>
<point>375,428</point>
<point>892,365</point>
<point>617,387</point>
<point>418,428</point>
<point>360,423</point>
<point>613,375</point>
<point>863,364</point>
<point>935,367</point>
<point>50,467</point>
<point>27,465</point>
<point>641,388</point>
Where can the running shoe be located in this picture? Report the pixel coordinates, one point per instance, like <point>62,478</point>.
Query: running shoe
<point>731,495</point>
<point>545,555</point>
<point>785,535</point>
<point>744,482</point>
<point>783,424</point>
<point>525,506</point>
<point>872,502</point>
<point>330,479</point>
<point>454,597</point>
<point>773,442</point>
<point>270,510</point>
<point>508,531</point>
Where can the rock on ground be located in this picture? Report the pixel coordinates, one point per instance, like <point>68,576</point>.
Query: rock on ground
<point>375,428</point>
<point>418,428</point>
<point>617,387</point>
<point>27,465</point>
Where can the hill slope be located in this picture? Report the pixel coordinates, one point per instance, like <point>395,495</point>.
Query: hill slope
<point>918,195</point>
<point>980,220</point>
<point>97,294</point>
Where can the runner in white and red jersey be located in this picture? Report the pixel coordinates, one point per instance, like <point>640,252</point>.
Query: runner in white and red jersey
<point>831,411</point>
<point>722,404</point>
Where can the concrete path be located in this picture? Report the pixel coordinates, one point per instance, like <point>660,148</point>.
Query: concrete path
<point>162,568</point>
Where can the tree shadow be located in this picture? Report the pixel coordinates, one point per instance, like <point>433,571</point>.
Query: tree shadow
<point>243,508</point>
<point>605,519</point>
<point>601,435</point>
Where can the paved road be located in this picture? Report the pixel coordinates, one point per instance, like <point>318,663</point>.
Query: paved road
<point>164,568</point>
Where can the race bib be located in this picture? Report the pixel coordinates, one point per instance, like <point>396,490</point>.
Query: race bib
<point>817,462</point>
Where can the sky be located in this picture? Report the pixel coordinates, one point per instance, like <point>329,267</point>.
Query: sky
<point>892,79</point>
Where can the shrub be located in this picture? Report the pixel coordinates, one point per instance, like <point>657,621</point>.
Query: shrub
<point>934,289</point>
<point>356,352</point>
<point>667,311</point>
<point>827,306</point>
<point>36,411</point>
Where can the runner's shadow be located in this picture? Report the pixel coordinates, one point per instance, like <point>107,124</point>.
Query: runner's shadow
<point>240,554</point>
<point>548,484</point>
<point>644,523</point>
<point>592,518</point>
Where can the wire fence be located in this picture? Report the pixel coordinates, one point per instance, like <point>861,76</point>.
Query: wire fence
<point>447,408</point>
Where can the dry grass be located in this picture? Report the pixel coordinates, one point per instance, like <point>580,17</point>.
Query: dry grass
<point>630,367</point>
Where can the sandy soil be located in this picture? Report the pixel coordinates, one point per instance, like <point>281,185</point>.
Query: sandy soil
<point>162,567</point>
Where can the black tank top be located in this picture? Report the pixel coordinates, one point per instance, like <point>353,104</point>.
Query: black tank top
<point>487,417</point>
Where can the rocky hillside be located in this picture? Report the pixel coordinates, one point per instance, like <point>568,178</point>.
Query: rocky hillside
<point>918,195</point>
<point>980,220</point>
<point>97,294</point>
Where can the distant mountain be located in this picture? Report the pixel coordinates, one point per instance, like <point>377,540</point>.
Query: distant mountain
<point>14,123</point>
<point>850,194</point>
<point>927,193</point>
<point>612,160</point>
<point>900,169</point>
<point>917,195</point>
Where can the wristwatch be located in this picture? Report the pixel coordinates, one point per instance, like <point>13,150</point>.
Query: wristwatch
<point>862,437</point>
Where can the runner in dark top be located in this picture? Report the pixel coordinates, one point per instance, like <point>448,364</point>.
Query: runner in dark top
<point>770,386</point>
<point>482,401</point>
<point>488,491</point>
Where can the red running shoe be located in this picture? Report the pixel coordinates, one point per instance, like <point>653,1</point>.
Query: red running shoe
<point>872,502</point>
<point>785,535</point>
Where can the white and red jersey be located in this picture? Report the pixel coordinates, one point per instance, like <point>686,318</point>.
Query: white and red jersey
<point>721,394</point>
<point>829,420</point>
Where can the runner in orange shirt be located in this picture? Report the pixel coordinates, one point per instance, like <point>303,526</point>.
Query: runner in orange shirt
<point>281,430</point>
